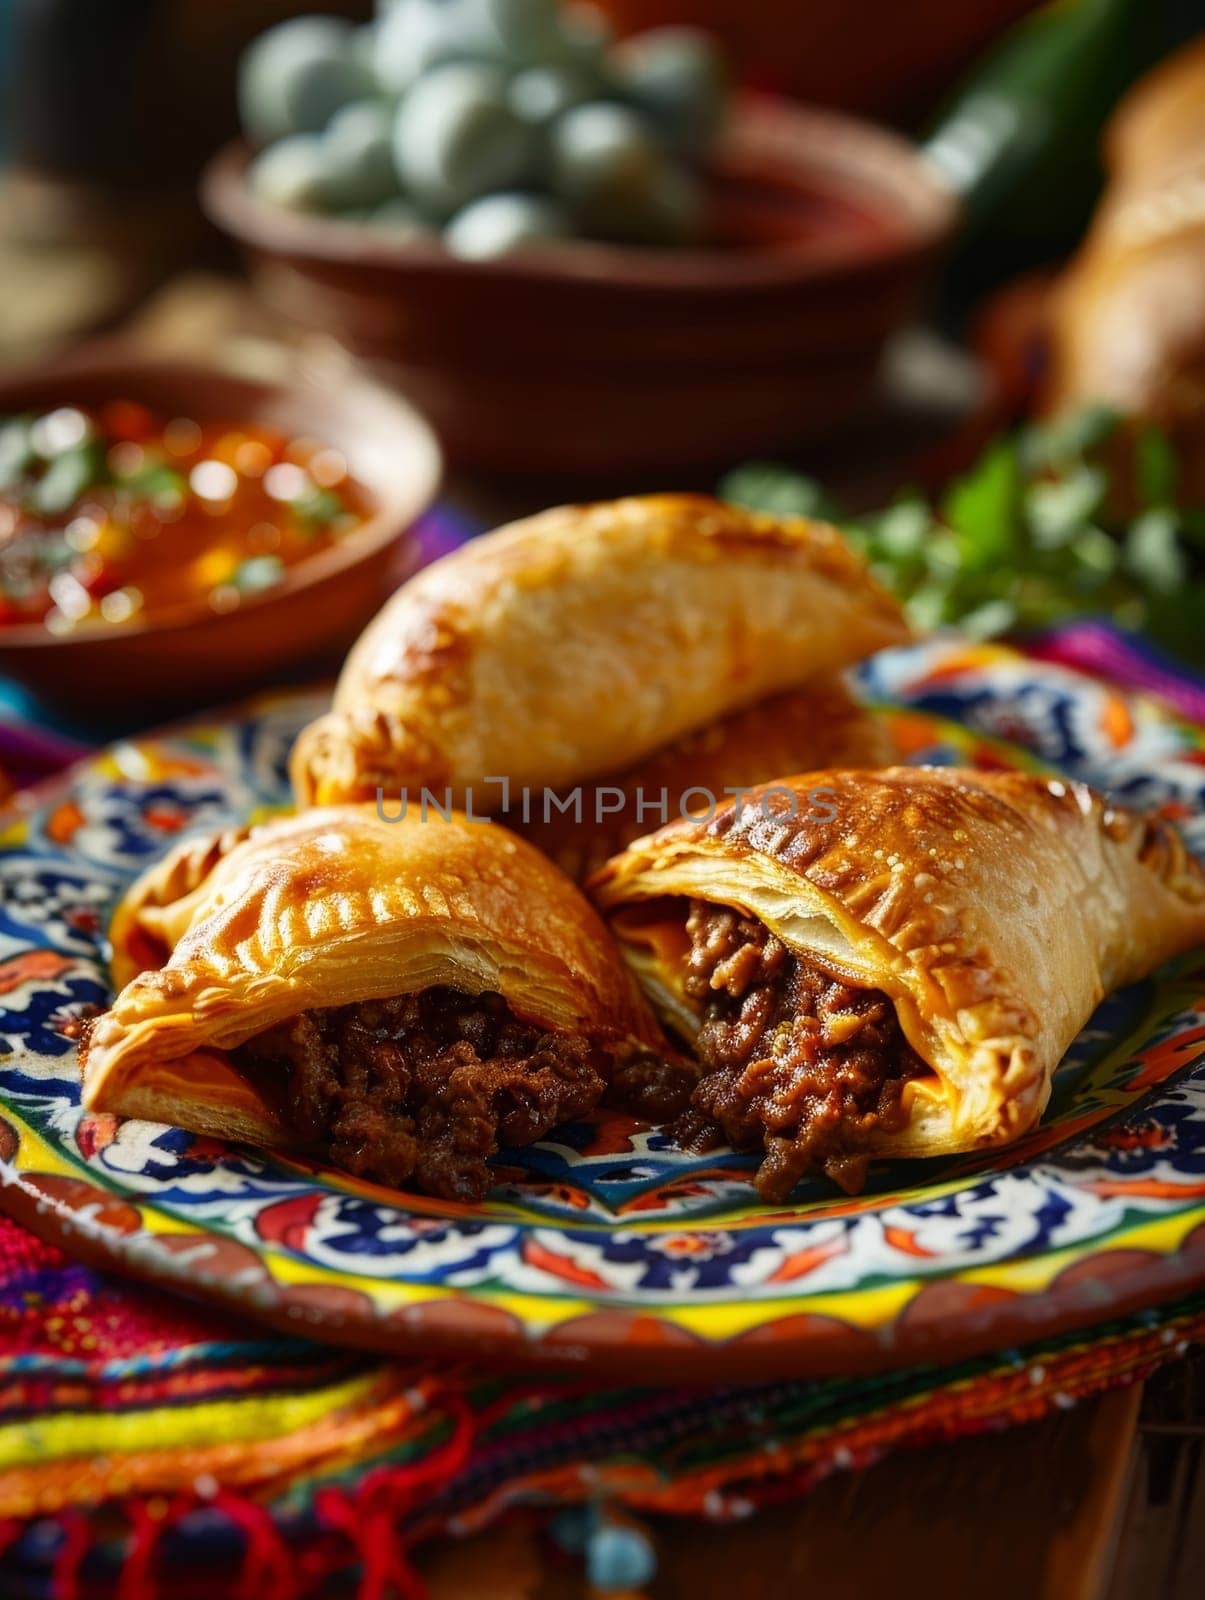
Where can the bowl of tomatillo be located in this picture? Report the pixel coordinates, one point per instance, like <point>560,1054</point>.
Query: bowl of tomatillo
<point>574,253</point>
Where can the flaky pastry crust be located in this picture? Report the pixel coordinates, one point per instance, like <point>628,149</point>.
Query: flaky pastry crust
<point>821,725</point>
<point>329,908</point>
<point>994,909</point>
<point>578,642</point>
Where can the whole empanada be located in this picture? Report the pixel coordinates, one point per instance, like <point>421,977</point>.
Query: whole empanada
<point>582,640</point>
<point>395,996</point>
<point>893,962</point>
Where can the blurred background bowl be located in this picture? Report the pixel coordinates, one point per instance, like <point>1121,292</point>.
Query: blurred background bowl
<point>591,359</point>
<point>193,655</point>
<point>879,60</point>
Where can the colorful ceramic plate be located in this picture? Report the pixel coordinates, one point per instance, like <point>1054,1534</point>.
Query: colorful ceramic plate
<point>604,1243</point>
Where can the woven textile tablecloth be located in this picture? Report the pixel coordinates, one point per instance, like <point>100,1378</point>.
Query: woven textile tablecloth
<point>150,1446</point>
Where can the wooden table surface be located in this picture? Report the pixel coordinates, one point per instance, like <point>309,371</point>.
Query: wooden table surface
<point>1102,1502</point>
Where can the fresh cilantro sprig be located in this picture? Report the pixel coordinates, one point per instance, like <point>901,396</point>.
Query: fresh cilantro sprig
<point>1029,537</point>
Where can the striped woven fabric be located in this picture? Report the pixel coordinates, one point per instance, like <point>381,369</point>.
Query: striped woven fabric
<point>1097,647</point>
<point>150,1447</point>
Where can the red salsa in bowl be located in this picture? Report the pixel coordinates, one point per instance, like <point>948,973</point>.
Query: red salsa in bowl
<point>117,514</point>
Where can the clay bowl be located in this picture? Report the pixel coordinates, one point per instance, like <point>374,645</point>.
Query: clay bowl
<point>876,57</point>
<point>593,359</point>
<point>192,655</point>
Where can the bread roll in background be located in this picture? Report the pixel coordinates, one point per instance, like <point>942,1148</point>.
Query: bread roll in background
<point>1127,319</point>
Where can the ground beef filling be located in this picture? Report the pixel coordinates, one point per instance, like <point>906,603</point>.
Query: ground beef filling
<point>649,1086</point>
<point>795,1059</point>
<point>420,1090</point>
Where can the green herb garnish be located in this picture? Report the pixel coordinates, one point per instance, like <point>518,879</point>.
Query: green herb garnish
<point>258,573</point>
<point>316,508</point>
<point>1028,537</point>
<point>157,482</point>
<point>66,477</point>
<point>16,453</point>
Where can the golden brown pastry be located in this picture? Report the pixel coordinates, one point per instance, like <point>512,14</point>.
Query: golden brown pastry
<point>821,725</point>
<point>582,640</point>
<point>1160,122</point>
<point>155,912</point>
<point>1127,318</point>
<point>396,997</point>
<point>894,962</point>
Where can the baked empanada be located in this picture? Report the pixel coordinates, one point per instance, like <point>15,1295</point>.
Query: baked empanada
<point>893,963</point>
<point>397,997</point>
<point>821,725</point>
<point>580,641</point>
<point>1126,319</point>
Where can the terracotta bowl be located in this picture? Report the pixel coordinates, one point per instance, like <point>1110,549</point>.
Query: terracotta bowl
<point>192,655</point>
<point>876,57</point>
<point>586,358</point>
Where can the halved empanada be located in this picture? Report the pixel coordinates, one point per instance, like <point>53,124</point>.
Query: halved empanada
<point>582,640</point>
<point>397,997</point>
<point>893,962</point>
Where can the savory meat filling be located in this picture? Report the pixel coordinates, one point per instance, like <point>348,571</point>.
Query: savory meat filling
<point>795,1058</point>
<point>420,1090</point>
<point>650,1087</point>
